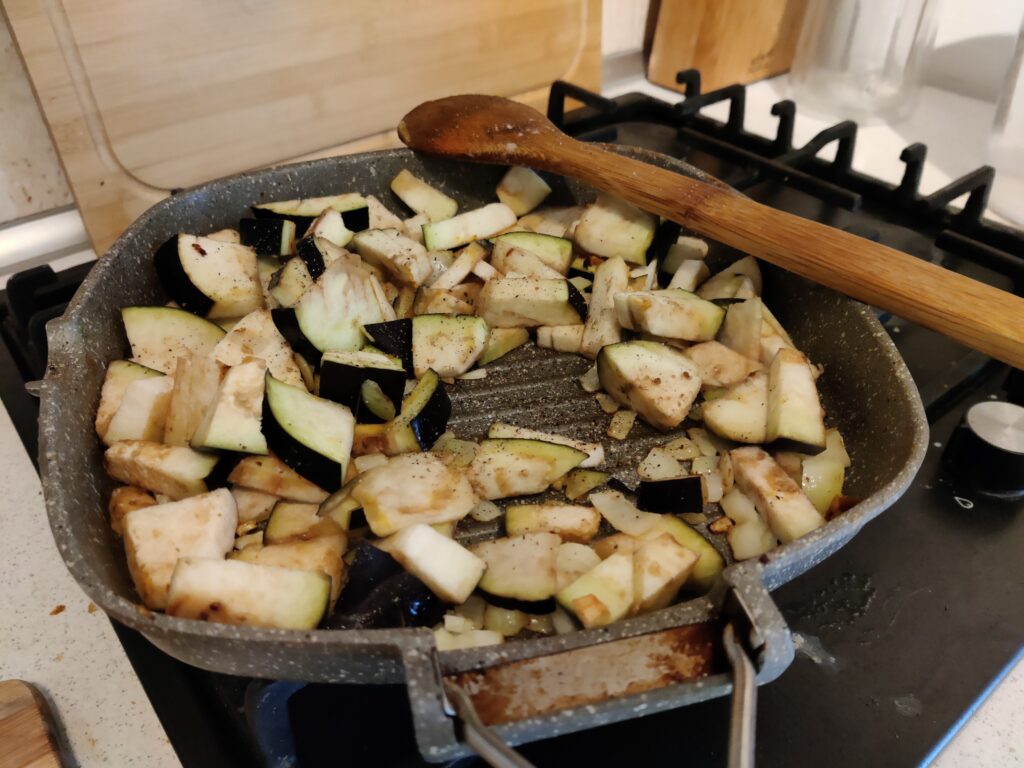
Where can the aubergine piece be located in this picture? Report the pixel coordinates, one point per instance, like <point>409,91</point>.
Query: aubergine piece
<point>288,325</point>
<point>675,496</point>
<point>401,600</point>
<point>448,344</point>
<point>368,568</point>
<point>532,607</point>
<point>374,406</point>
<point>318,253</point>
<point>307,250</point>
<point>506,302</point>
<point>352,207</point>
<point>290,282</point>
<point>268,237</point>
<point>343,374</point>
<point>423,419</point>
<point>581,267</point>
<point>617,485</point>
<point>209,277</point>
<point>311,435</point>
<point>665,237</point>
<point>395,338</point>
<point>344,298</point>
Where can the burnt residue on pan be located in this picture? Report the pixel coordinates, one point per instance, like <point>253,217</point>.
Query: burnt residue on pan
<point>540,686</point>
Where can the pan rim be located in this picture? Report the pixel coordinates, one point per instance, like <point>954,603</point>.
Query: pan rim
<point>62,333</point>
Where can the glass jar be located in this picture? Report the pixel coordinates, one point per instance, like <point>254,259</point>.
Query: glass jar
<point>862,59</point>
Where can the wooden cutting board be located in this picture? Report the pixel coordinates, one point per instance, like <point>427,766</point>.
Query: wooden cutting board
<point>26,738</point>
<point>729,41</point>
<point>144,96</point>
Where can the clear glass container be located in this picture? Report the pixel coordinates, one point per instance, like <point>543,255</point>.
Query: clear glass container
<point>862,59</point>
<point>1006,147</point>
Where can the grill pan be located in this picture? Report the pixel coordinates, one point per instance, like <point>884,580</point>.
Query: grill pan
<point>635,667</point>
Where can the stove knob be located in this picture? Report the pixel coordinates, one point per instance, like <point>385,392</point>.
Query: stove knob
<point>1014,386</point>
<point>986,452</point>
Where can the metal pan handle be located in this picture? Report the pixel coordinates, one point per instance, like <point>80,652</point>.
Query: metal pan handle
<point>515,702</point>
<point>496,753</point>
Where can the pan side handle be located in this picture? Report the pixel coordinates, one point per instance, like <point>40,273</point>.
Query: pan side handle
<point>601,683</point>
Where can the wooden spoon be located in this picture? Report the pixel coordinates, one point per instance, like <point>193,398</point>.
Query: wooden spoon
<point>491,129</point>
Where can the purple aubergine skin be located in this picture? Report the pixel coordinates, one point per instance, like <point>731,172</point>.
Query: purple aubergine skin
<point>867,392</point>
<point>342,384</point>
<point>394,337</point>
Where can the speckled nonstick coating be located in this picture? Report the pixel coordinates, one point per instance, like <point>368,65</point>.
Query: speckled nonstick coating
<point>866,388</point>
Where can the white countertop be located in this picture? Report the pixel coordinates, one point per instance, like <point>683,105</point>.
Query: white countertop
<point>50,637</point>
<point>75,658</point>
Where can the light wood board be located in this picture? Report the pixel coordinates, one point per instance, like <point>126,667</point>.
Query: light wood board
<point>729,41</point>
<point>145,96</point>
<point>26,740</point>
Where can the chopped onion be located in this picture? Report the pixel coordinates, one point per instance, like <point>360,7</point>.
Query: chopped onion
<point>659,465</point>
<point>652,276</point>
<point>472,610</point>
<point>478,373</point>
<point>712,483</point>
<point>457,624</point>
<point>621,515</point>
<point>485,271</point>
<point>621,424</point>
<point>485,511</point>
<point>369,461</point>
<point>702,465</point>
<point>726,471</point>
<point>738,507</point>
<point>505,621</point>
<point>703,441</point>
<point>590,380</point>
<point>455,452</point>
<point>573,561</point>
<point>475,638</point>
<point>562,622</point>
<point>542,625</point>
<point>750,539</point>
<point>683,449</point>
<point>607,402</point>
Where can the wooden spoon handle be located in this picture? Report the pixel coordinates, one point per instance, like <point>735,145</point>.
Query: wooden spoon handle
<point>976,314</point>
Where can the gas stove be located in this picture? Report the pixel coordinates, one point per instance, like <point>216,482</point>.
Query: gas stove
<point>898,634</point>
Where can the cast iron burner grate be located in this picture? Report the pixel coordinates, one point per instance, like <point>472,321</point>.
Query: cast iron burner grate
<point>907,625</point>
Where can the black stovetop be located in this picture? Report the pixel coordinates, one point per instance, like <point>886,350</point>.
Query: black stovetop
<point>904,628</point>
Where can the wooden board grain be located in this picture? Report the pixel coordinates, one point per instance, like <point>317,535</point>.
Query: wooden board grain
<point>729,41</point>
<point>26,739</point>
<point>145,96</point>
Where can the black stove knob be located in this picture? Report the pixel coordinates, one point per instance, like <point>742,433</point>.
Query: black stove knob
<point>1014,386</point>
<point>986,452</point>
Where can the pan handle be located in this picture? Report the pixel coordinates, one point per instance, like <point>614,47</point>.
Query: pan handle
<point>502,702</point>
<point>485,742</point>
<point>743,716</point>
<point>496,753</point>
